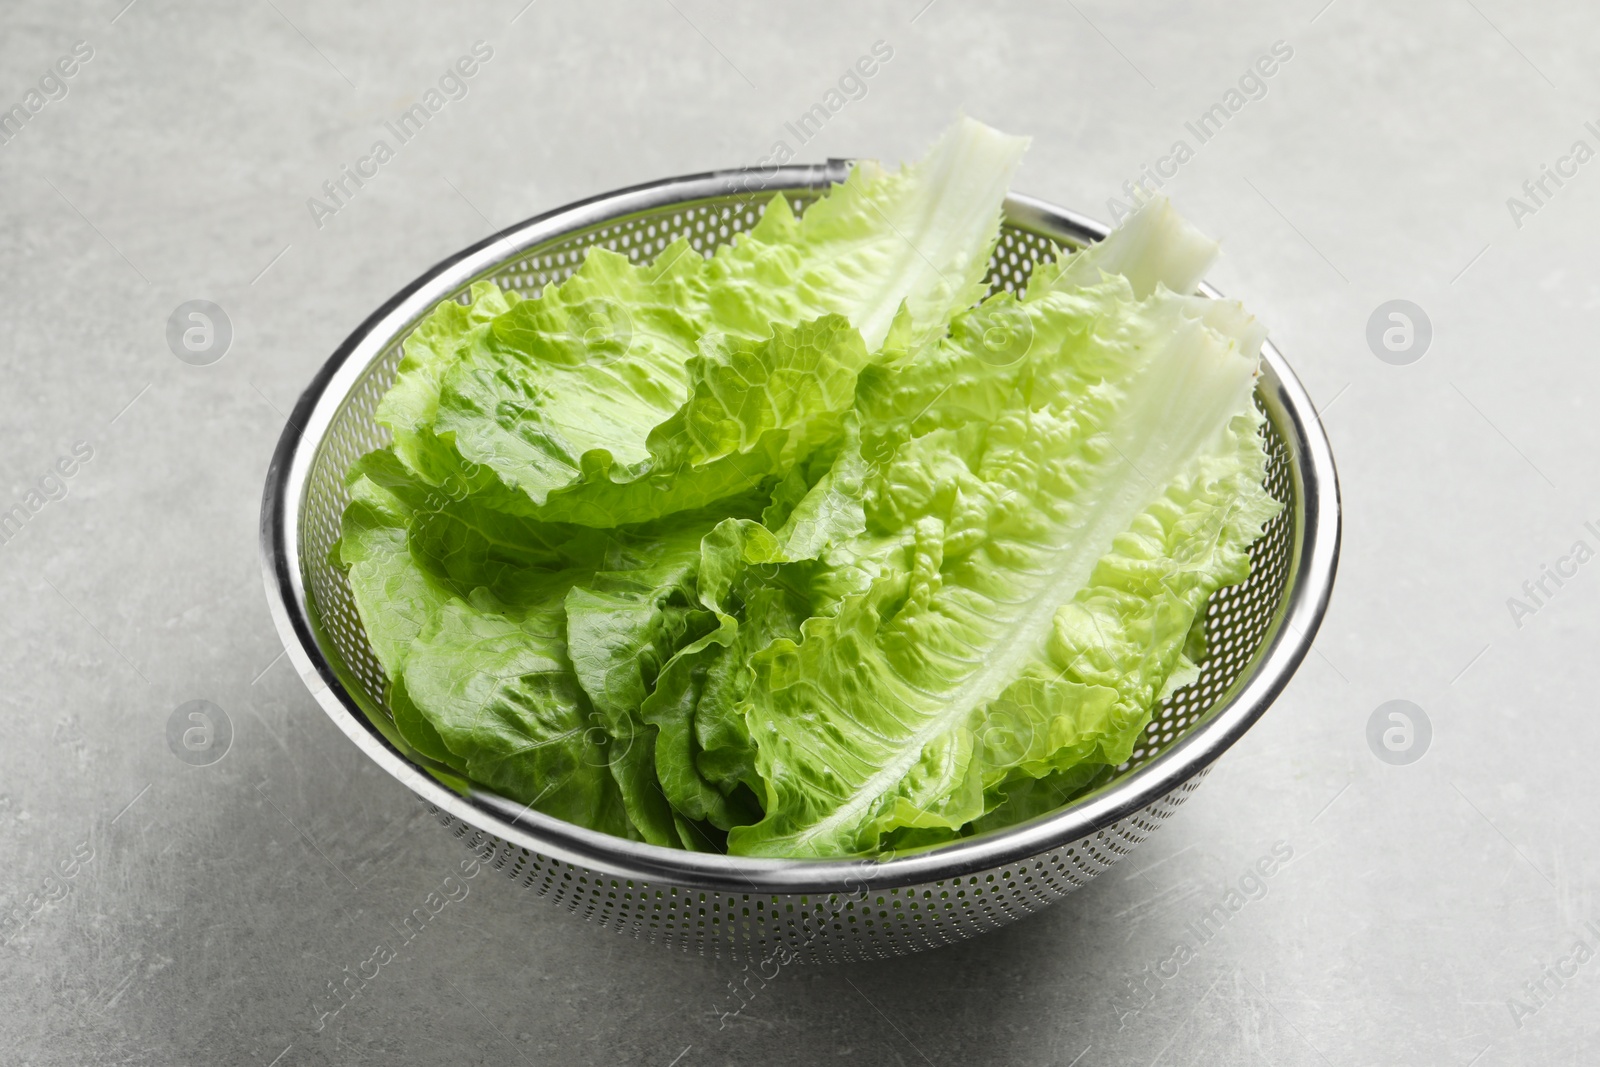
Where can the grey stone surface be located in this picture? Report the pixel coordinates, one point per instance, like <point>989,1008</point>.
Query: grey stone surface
<point>208,906</point>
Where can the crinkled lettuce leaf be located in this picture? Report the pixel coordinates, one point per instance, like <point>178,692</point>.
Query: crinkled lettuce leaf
<point>517,720</point>
<point>474,615</point>
<point>628,392</point>
<point>754,577</point>
<point>1040,538</point>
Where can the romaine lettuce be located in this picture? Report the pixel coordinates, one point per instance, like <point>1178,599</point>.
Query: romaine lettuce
<point>807,549</point>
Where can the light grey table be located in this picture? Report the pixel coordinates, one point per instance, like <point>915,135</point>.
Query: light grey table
<point>157,912</point>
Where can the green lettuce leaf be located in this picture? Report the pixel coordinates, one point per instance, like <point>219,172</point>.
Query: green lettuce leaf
<point>1039,541</point>
<point>395,599</point>
<point>468,611</point>
<point>517,720</point>
<point>919,237</point>
<point>754,409</point>
<point>623,625</point>
<point>630,392</point>
<point>442,339</point>
<point>752,576</point>
<point>577,377</point>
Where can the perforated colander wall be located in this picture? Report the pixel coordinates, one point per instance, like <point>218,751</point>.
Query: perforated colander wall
<point>756,925</point>
<point>821,928</point>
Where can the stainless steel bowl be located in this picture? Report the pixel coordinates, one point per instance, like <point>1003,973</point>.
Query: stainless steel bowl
<point>762,909</point>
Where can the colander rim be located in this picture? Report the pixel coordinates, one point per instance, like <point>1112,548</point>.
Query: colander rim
<point>1295,622</point>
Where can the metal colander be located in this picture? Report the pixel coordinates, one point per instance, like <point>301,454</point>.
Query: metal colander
<point>1257,632</point>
